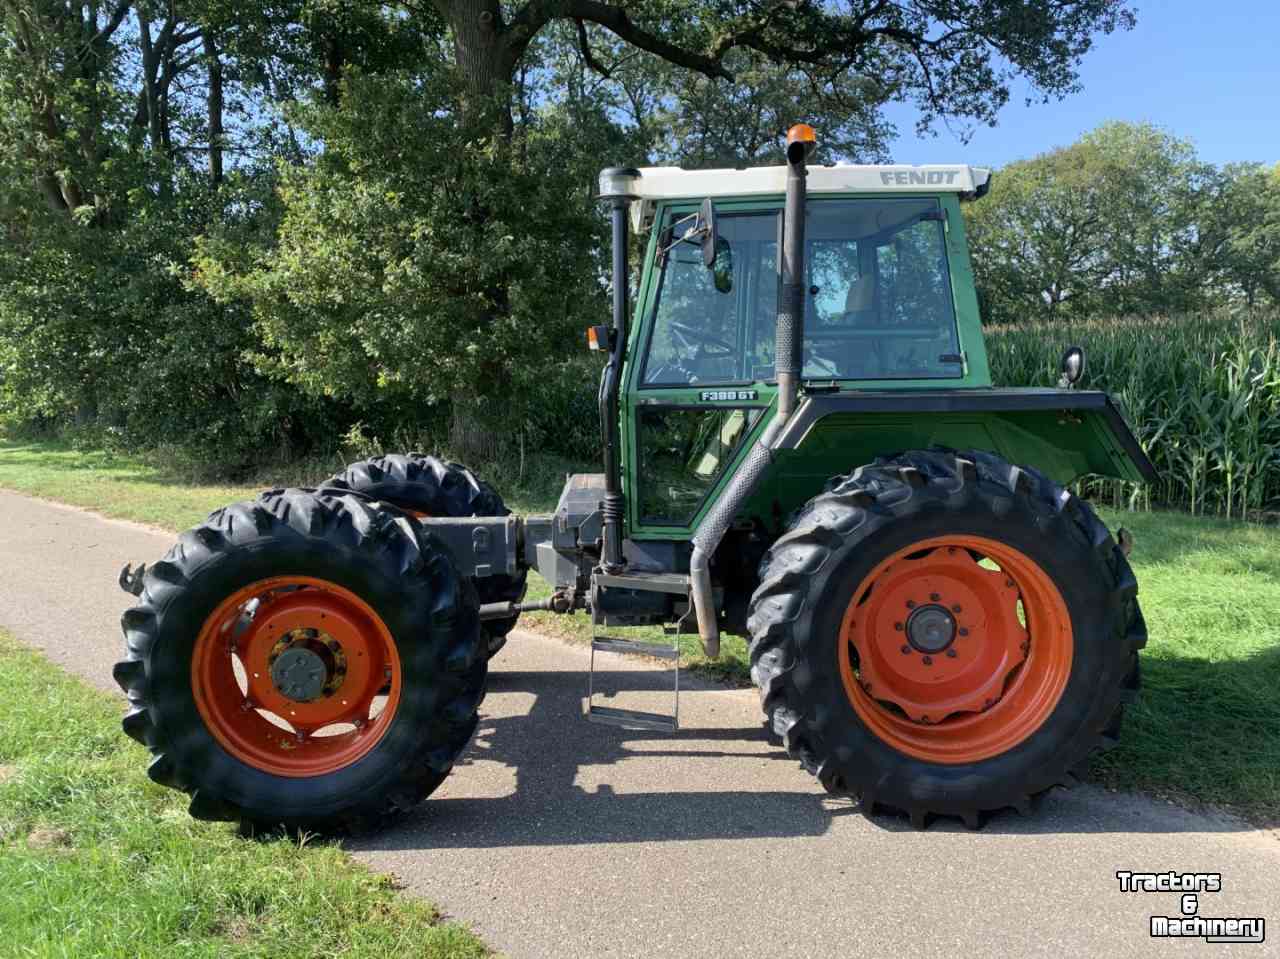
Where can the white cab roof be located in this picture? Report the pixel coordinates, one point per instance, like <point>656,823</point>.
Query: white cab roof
<point>670,182</point>
<point>674,183</point>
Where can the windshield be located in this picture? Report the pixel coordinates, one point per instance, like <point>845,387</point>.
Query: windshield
<point>878,303</point>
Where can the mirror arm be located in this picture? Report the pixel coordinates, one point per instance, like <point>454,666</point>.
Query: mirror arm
<point>667,244</point>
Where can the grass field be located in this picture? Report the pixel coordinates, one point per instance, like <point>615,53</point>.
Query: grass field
<point>96,860</point>
<point>1206,730</point>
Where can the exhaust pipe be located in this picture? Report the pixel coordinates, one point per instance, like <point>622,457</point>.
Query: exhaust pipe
<point>788,364</point>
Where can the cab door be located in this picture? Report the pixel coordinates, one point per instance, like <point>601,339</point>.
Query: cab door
<point>696,385</point>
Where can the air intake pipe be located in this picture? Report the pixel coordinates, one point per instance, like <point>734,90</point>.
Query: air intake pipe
<point>787,368</point>
<point>617,188</point>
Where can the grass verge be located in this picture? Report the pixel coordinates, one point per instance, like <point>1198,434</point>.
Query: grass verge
<point>96,860</point>
<point>1207,726</point>
<point>1206,730</point>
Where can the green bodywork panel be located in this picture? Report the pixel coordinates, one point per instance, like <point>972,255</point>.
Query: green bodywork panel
<point>1063,444</point>
<point>847,423</point>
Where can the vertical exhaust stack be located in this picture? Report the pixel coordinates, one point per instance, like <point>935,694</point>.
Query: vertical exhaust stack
<point>788,362</point>
<point>616,186</point>
<point>789,341</point>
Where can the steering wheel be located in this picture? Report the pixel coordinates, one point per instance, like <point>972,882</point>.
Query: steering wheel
<point>696,341</point>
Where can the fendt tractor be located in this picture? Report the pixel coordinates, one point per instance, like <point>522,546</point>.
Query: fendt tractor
<point>800,443</point>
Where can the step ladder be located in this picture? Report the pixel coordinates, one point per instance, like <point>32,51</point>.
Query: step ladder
<point>635,718</point>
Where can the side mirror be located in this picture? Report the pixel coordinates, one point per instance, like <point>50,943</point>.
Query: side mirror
<point>722,266</point>
<point>717,255</point>
<point>1072,367</point>
<point>710,238</point>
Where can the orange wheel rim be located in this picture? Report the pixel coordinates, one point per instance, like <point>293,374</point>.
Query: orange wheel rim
<point>296,676</point>
<point>955,649</point>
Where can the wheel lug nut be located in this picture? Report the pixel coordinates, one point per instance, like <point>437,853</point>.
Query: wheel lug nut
<point>928,660</point>
<point>906,650</point>
<point>934,597</point>
<point>898,626</point>
<point>911,604</point>
<point>955,608</point>
<point>964,631</point>
<point>1009,583</point>
<point>951,654</point>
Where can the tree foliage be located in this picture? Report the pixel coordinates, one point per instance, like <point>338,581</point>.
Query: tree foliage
<point>1126,221</point>
<point>244,228</point>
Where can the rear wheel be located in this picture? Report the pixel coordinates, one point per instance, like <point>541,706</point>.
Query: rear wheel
<point>945,633</point>
<point>428,486</point>
<point>305,660</point>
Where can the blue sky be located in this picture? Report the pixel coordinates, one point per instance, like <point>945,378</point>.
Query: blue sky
<point>1206,71</point>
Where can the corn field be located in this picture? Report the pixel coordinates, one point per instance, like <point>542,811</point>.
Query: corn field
<point>1202,393</point>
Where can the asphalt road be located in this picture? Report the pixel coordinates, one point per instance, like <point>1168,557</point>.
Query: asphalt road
<point>559,838</point>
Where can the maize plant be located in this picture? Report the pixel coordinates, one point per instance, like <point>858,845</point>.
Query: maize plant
<point>1202,390</point>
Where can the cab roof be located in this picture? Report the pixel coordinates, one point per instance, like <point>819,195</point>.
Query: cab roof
<point>673,182</point>
<point>658,183</point>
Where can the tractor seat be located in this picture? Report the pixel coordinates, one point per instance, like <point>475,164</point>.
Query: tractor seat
<point>860,302</point>
<point>860,357</point>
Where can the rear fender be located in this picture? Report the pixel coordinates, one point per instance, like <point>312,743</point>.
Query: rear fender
<point>1066,434</point>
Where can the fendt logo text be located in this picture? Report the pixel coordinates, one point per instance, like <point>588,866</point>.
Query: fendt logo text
<point>918,177</point>
<point>1190,924</point>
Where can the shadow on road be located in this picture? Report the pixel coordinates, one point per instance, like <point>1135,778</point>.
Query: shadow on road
<point>552,752</point>
<point>549,748</point>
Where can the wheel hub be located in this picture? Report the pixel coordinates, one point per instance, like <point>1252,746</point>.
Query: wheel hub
<point>938,635</point>
<point>296,676</point>
<point>955,648</point>
<point>300,674</point>
<point>931,629</point>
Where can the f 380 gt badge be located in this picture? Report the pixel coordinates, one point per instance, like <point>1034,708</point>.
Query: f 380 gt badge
<point>721,396</point>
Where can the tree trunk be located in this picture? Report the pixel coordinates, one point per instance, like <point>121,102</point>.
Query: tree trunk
<point>472,438</point>
<point>334,61</point>
<point>150,80</point>
<point>215,110</point>
<point>483,61</point>
<point>485,68</point>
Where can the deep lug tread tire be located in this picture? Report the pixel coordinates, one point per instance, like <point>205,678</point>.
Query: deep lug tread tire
<point>427,484</point>
<point>404,574</point>
<point>807,578</point>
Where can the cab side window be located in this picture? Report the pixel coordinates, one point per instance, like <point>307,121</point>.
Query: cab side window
<point>700,334</point>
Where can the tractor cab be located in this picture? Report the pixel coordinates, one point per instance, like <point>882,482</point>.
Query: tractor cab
<point>887,296</point>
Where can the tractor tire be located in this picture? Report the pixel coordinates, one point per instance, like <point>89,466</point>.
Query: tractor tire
<point>435,487</point>
<point>345,622</point>
<point>944,633</point>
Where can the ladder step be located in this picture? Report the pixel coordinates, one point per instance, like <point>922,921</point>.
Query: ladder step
<point>633,718</point>
<point>612,644</point>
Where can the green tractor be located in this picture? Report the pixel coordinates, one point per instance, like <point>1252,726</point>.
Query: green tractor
<point>800,443</point>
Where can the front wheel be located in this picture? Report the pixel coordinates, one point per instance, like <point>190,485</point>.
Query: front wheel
<point>945,633</point>
<point>306,660</point>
